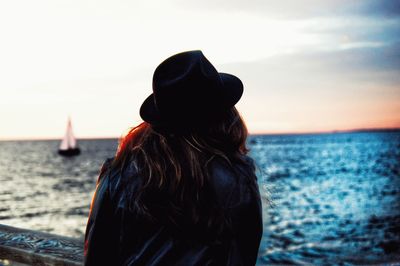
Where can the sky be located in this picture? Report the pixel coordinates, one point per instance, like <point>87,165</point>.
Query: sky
<point>307,66</point>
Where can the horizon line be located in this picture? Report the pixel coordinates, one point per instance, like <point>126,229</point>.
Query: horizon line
<point>354,130</point>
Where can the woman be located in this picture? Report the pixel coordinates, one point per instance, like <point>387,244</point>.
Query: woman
<point>181,190</point>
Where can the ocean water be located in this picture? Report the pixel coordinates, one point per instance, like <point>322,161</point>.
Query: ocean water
<point>327,198</point>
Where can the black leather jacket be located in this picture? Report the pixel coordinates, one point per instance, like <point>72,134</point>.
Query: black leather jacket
<point>114,236</point>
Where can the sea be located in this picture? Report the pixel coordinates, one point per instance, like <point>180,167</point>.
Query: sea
<point>328,199</point>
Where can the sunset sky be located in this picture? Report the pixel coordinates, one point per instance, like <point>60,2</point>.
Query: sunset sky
<point>307,66</point>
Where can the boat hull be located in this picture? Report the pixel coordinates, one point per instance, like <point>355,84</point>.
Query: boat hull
<point>70,152</point>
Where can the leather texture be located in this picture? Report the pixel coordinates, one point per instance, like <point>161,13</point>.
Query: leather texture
<point>117,236</point>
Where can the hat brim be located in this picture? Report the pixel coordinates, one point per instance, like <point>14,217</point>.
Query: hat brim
<point>232,90</point>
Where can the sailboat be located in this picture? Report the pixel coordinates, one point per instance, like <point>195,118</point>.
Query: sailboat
<point>69,146</point>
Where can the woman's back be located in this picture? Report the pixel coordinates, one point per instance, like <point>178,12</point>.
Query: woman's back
<point>122,237</point>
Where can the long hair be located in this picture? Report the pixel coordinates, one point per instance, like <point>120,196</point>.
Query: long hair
<point>173,168</point>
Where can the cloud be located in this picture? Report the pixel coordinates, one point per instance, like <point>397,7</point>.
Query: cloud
<point>365,59</point>
<point>325,69</point>
<point>384,8</point>
<point>322,90</point>
<point>301,9</point>
<point>356,30</point>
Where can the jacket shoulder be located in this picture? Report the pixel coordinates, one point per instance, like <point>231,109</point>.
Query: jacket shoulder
<point>230,181</point>
<point>121,180</point>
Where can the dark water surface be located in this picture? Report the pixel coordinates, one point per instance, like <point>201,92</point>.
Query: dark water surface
<point>334,198</point>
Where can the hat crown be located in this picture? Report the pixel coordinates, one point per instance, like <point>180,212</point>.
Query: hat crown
<point>179,66</point>
<point>185,81</point>
<point>187,90</point>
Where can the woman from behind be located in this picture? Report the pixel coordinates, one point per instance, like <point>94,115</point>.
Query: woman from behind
<point>181,189</point>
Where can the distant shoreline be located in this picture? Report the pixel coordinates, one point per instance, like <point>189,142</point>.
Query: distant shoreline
<point>361,130</point>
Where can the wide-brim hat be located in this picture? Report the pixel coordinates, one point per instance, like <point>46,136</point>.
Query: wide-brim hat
<point>187,89</point>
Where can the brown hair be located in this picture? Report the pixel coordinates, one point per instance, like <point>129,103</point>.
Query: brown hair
<point>173,168</point>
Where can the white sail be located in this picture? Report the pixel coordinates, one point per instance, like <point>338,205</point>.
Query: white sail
<point>69,141</point>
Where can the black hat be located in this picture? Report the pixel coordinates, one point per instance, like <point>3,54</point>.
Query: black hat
<point>187,89</point>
